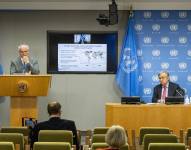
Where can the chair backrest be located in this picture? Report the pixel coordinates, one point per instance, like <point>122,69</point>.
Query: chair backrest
<point>16,138</point>
<point>152,130</point>
<point>159,138</point>
<point>99,146</point>
<point>188,135</point>
<point>98,138</point>
<point>55,136</point>
<point>100,130</point>
<point>24,130</point>
<point>105,145</point>
<point>7,146</point>
<point>167,146</point>
<point>52,146</point>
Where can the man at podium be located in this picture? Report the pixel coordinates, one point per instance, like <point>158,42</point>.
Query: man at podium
<point>24,64</point>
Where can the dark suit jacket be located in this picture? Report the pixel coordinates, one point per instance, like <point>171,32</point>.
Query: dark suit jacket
<point>54,123</point>
<point>171,91</point>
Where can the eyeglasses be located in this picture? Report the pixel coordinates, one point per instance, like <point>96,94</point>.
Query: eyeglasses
<point>23,51</point>
<point>163,77</point>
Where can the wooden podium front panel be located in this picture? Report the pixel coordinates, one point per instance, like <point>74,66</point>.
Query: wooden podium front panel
<point>22,107</point>
<point>175,117</point>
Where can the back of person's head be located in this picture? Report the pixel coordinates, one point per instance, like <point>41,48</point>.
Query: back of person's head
<point>116,136</point>
<point>54,108</point>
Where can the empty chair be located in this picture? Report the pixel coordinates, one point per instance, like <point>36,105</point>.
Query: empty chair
<point>158,138</point>
<point>52,146</point>
<point>16,138</point>
<point>152,130</point>
<point>7,146</point>
<point>100,130</point>
<point>167,146</point>
<point>23,130</point>
<point>55,136</point>
<point>98,138</point>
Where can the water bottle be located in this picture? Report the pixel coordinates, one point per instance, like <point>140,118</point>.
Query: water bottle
<point>187,100</point>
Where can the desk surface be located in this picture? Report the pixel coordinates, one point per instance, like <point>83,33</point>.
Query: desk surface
<point>175,117</point>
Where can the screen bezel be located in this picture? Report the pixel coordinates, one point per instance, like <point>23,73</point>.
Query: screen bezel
<point>49,71</point>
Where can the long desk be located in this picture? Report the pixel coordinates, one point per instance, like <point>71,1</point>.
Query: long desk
<point>175,117</point>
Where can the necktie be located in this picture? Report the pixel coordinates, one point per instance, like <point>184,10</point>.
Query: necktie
<point>163,93</point>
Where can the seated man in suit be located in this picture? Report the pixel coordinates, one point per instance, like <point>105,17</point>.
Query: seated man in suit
<point>166,88</point>
<point>24,63</point>
<point>54,123</point>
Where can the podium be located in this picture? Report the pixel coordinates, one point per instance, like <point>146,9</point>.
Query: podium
<point>23,90</point>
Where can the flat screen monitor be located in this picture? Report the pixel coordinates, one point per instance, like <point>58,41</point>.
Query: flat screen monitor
<point>82,52</point>
<point>174,100</point>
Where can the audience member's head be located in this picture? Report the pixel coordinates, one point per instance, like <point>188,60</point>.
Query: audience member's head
<point>54,108</point>
<point>116,136</point>
<point>23,50</point>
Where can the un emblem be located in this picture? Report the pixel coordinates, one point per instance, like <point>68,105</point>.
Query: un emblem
<point>140,78</point>
<point>156,53</point>
<point>22,86</point>
<point>147,40</point>
<point>147,14</point>
<point>182,14</point>
<point>165,14</point>
<point>173,53</point>
<point>156,27</point>
<point>189,27</point>
<point>139,52</point>
<point>173,78</point>
<point>173,27</point>
<point>189,78</point>
<point>182,65</point>
<point>130,63</point>
<point>165,40</point>
<point>165,65</point>
<point>155,78</point>
<point>182,40</point>
<point>189,53</point>
<point>147,91</point>
<point>138,27</point>
<point>147,65</point>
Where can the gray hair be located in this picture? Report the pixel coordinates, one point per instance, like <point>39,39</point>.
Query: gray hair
<point>23,46</point>
<point>166,72</point>
<point>116,136</point>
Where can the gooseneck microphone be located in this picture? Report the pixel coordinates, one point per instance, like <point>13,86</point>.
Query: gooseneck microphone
<point>180,92</point>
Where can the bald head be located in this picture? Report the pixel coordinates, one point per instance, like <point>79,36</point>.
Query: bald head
<point>54,108</point>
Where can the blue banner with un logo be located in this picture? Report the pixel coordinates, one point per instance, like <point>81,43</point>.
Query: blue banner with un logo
<point>128,70</point>
<point>163,43</point>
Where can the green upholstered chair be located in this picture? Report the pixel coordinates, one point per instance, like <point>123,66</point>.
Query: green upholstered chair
<point>24,130</point>
<point>100,130</point>
<point>167,146</point>
<point>55,136</point>
<point>16,138</point>
<point>99,145</point>
<point>105,145</point>
<point>98,138</point>
<point>158,138</point>
<point>52,146</point>
<point>7,146</point>
<point>152,130</point>
<point>188,136</point>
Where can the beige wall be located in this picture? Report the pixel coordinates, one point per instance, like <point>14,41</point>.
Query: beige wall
<point>83,96</point>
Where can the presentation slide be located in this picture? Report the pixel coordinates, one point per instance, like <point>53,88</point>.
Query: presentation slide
<point>82,57</point>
